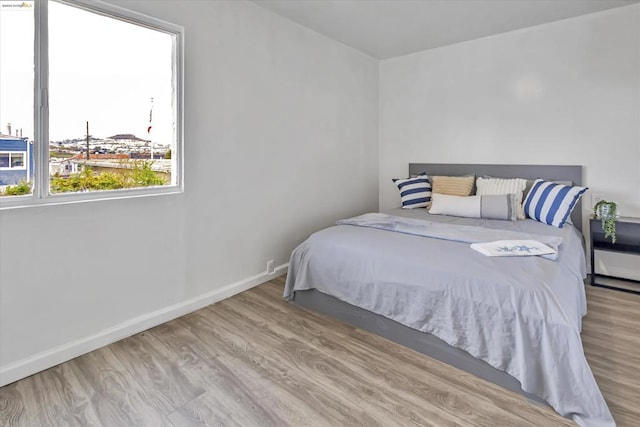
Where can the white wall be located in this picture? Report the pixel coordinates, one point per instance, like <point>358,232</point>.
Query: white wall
<point>280,141</point>
<point>567,92</point>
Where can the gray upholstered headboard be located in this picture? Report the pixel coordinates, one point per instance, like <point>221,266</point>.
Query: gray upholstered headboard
<point>548,172</point>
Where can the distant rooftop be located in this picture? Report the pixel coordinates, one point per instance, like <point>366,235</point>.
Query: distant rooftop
<point>81,156</point>
<point>128,136</point>
<point>15,138</point>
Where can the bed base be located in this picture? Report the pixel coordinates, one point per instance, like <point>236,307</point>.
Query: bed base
<point>421,342</point>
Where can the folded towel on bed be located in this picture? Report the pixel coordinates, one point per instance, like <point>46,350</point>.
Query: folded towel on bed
<point>513,248</point>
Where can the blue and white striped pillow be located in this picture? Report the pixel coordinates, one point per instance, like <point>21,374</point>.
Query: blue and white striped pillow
<point>551,203</point>
<point>414,192</point>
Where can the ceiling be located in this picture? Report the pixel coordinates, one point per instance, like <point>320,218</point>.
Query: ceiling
<point>388,28</point>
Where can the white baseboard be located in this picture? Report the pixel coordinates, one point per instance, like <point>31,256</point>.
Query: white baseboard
<point>52,357</point>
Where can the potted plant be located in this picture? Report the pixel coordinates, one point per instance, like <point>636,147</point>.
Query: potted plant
<point>606,212</point>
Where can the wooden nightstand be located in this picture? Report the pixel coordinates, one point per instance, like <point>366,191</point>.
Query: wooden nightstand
<point>627,242</point>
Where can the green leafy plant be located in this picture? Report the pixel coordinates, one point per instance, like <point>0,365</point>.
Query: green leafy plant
<point>142,175</point>
<point>20,189</point>
<point>606,211</point>
<point>139,175</point>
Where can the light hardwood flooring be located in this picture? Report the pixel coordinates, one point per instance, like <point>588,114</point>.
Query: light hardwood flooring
<point>255,360</point>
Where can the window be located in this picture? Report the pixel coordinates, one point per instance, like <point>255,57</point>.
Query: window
<point>17,33</point>
<point>107,91</point>
<point>17,160</point>
<point>12,160</point>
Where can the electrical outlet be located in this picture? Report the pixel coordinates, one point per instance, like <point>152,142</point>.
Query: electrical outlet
<point>595,198</point>
<point>270,266</point>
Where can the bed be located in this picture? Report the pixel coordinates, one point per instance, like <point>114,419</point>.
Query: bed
<point>513,321</point>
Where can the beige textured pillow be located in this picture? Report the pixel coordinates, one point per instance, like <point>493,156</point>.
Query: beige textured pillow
<point>453,185</point>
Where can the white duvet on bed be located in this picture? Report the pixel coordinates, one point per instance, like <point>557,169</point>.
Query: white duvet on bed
<point>521,315</point>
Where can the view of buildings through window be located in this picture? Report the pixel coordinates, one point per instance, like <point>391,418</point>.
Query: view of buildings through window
<point>111,101</point>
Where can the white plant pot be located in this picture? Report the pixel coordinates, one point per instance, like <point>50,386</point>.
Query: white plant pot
<point>604,212</point>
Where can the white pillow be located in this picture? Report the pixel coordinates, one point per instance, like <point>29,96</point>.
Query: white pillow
<point>445,204</point>
<point>500,206</point>
<point>491,186</point>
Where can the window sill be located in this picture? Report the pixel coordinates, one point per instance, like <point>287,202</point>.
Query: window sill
<point>20,202</point>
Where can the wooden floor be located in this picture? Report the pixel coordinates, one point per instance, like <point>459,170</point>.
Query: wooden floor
<point>255,360</point>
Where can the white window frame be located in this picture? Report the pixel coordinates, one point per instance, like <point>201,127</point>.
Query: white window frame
<point>41,194</point>
<point>11,153</point>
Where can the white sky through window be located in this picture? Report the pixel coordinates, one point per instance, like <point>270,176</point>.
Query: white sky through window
<point>101,70</point>
<point>16,67</point>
